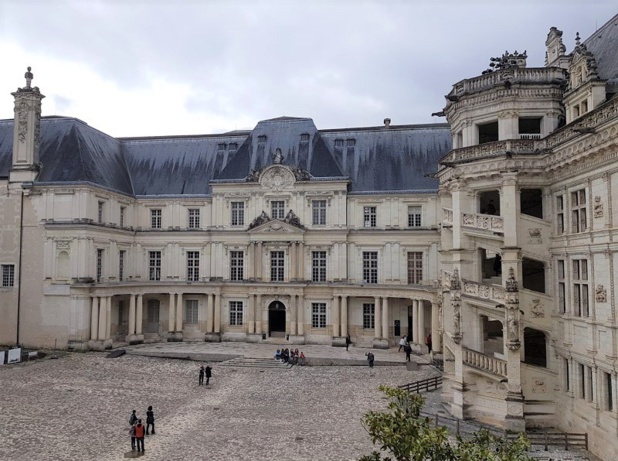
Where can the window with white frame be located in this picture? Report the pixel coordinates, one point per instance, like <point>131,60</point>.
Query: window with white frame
<point>580,288</point>
<point>277,209</point>
<point>155,218</point>
<point>277,266</point>
<point>561,286</point>
<point>237,264</point>
<point>101,215</point>
<point>318,266</point>
<point>191,310</point>
<point>154,265</point>
<point>369,216</point>
<point>194,218</point>
<point>318,315</point>
<point>8,275</point>
<point>236,313</point>
<point>238,213</point>
<point>123,211</point>
<point>193,266</point>
<point>121,259</point>
<point>369,316</point>
<point>99,265</point>
<point>579,221</point>
<point>414,216</point>
<point>415,267</point>
<point>319,212</point>
<point>370,266</point>
<point>560,214</point>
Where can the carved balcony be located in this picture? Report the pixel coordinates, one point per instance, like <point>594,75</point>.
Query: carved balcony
<point>483,221</point>
<point>493,293</point>
<point>484,362</point>
<point>495,149</point>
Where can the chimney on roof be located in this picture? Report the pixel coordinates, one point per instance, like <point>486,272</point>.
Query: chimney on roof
<point>387,122</point>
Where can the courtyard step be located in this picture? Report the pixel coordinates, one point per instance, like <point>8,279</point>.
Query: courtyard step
<point>248,362</point>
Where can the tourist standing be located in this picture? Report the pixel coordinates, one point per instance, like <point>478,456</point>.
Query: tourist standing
<point>428,342</point>
<point>139,435</point>
<point>348,341</point>
<point>150,420</point>
<point>408,350</point>
<point>201,375</point>
<point>402,343</point>
<point>133,418</point>
<point>208,374</point>
<point>132,434</point>
<point>370,359</point>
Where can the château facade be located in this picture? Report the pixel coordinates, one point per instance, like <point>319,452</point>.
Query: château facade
<point>494,233</point>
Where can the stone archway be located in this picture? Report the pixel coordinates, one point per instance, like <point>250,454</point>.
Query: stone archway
<point>276,319</point>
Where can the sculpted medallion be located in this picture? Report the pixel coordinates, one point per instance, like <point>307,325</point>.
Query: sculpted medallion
<point>277,178</point>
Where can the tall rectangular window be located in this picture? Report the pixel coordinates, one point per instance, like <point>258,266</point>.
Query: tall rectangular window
<point>415,267</point>
<point>194,218</point>
<point>318,315</point>
<point>193,266</point>
<point>277,266</point>
<point>100,216</point>
<point>414,216</point>
<point>582,381</point>
<point>580,288</point>
<point>237,265</point>
<point>561,287</point>
<point>154,265</point>
<point>99,265</point>
<point>191,310</point>
<point>609,394</point>
<point>318,266</point>
<point>122,215</point>
<point>121,258</point>
<point>8,275</point>
<point>238,214</point>
<point>122,319</point>
<point>155,218</point>
<point>370,266</point>
<point>369,316</point>
<point>590,381</point>
<point>579,221</point>
<point>319,212</point>
<point>277,209</point>
<point>567,375</point>
<point>236,313</point>
<point>560,214</point>
<point>369,216</point>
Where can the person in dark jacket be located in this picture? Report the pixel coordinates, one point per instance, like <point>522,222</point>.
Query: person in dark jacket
<point>201,381</point>
<point>139,436</point>
<point>348,341</point>
<point>150,420</point>
<point>132,435</point>
<point>208,374</point>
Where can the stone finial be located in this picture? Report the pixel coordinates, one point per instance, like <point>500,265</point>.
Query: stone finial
<point>577,39</point>
<point>278,158</point>
<point>387,122</point>
<point>511,283</point>
<point>28,76</point>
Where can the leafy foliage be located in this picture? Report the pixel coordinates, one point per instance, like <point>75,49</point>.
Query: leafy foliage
<point>403,435</point>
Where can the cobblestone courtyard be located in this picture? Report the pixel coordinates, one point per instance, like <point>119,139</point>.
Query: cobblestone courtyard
<point>77,408</point>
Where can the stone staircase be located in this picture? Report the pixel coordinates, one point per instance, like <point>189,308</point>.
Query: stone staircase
<point>247,362</point>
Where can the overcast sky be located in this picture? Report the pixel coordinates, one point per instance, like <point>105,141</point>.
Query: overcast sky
<point>147,68</point>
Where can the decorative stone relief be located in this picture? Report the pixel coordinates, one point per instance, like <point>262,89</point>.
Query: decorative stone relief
<point>277,178</point>
<point>600,294</point>
<point>511,283</point>
<point>535,235</point>
<point>598,207</point>
<point>537,309</point>
<point>539,386</point>
<point>261,219</point>
<point>491,388</point>
<point>63,244</point>
<point>455,284</point>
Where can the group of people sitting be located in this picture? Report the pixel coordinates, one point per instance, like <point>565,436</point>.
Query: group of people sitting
<point>290,356</point>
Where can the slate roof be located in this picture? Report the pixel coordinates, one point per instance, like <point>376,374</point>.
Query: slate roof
<point>603,44</point>
<point>381,159</point>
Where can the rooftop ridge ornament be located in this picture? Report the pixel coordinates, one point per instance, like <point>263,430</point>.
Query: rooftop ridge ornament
<point>507,61</point>
<point>577,39</point>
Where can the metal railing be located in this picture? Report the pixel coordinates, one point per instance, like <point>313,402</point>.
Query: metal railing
<point>423,385</point>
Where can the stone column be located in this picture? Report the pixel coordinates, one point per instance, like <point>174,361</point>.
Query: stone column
<point>335,319</point>
<point>171,316</point>
<point>139,317</point>
<point>258,315</point>
<point>179,312</point>
<point>344,316</point>
<point>217,313</point>
<point>301,315</point>
<point>108,323</point>
<point>210,320</point>
<point>301,261</point>
<point>415,321</point>
<point>102,318</point>
<point>251,319</point>
<point>94,318</point>
<point>293,271</point>
<point>436,339</point>
<point>421,322</point>
<point>385,318</point>
<point>293,317</point>
<point>251,257</point>
<point>377,318</point>
<point>260,262</point>
<point>131,315</point>
<point>509,209</point>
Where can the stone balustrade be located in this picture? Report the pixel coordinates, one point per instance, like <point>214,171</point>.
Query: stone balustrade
<point>483,221</point>
<point>484,362</point>
<point>494,149</point>
<point>479,290</point>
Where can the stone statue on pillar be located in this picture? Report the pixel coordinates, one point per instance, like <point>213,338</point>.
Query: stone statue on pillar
<point>29,76</point>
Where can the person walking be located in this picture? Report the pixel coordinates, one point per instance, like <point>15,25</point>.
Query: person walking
<point>348,341</point>
<point>201,382</point>
<point>402,343</point>
<point>428,342</point>
<point>132,435</point>
<point>150,420</point>
<point>208,374</point>
<point>132,418</point>
<point>370,359</point>
<point>139,435</point>
<point>408,350</point>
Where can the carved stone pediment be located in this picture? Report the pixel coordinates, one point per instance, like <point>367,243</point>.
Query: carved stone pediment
<point>276,226</point>
<point>277,178</point>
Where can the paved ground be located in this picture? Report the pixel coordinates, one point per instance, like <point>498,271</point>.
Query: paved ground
<point>77,407</point>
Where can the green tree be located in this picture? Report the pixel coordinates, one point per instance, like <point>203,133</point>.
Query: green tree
<point>403,435</point>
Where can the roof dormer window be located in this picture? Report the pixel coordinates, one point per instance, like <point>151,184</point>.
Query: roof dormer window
<point>262,138</point>
<point>304,137</point>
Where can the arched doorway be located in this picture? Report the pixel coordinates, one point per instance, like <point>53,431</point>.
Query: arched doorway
<point>276,319</point>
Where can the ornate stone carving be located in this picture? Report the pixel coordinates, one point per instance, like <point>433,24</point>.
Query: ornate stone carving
<point>537,309</point>
<point>292,219</point>
<point>63,244</point>
<point>511,283</point>
<point>598,207</point>
<point>455,283</point>
<point>600,294</point>
<point>535,232</point>
<point>301,175</point>
<point>278,157</point>
<point>538,387</point>
<point>253,176</point>
<point>261,219</point>
<point>277,178</point>
<point>456,323</point>
<point>513,331</point>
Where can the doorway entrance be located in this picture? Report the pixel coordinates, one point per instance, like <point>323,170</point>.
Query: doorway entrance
<point>276,319</point>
